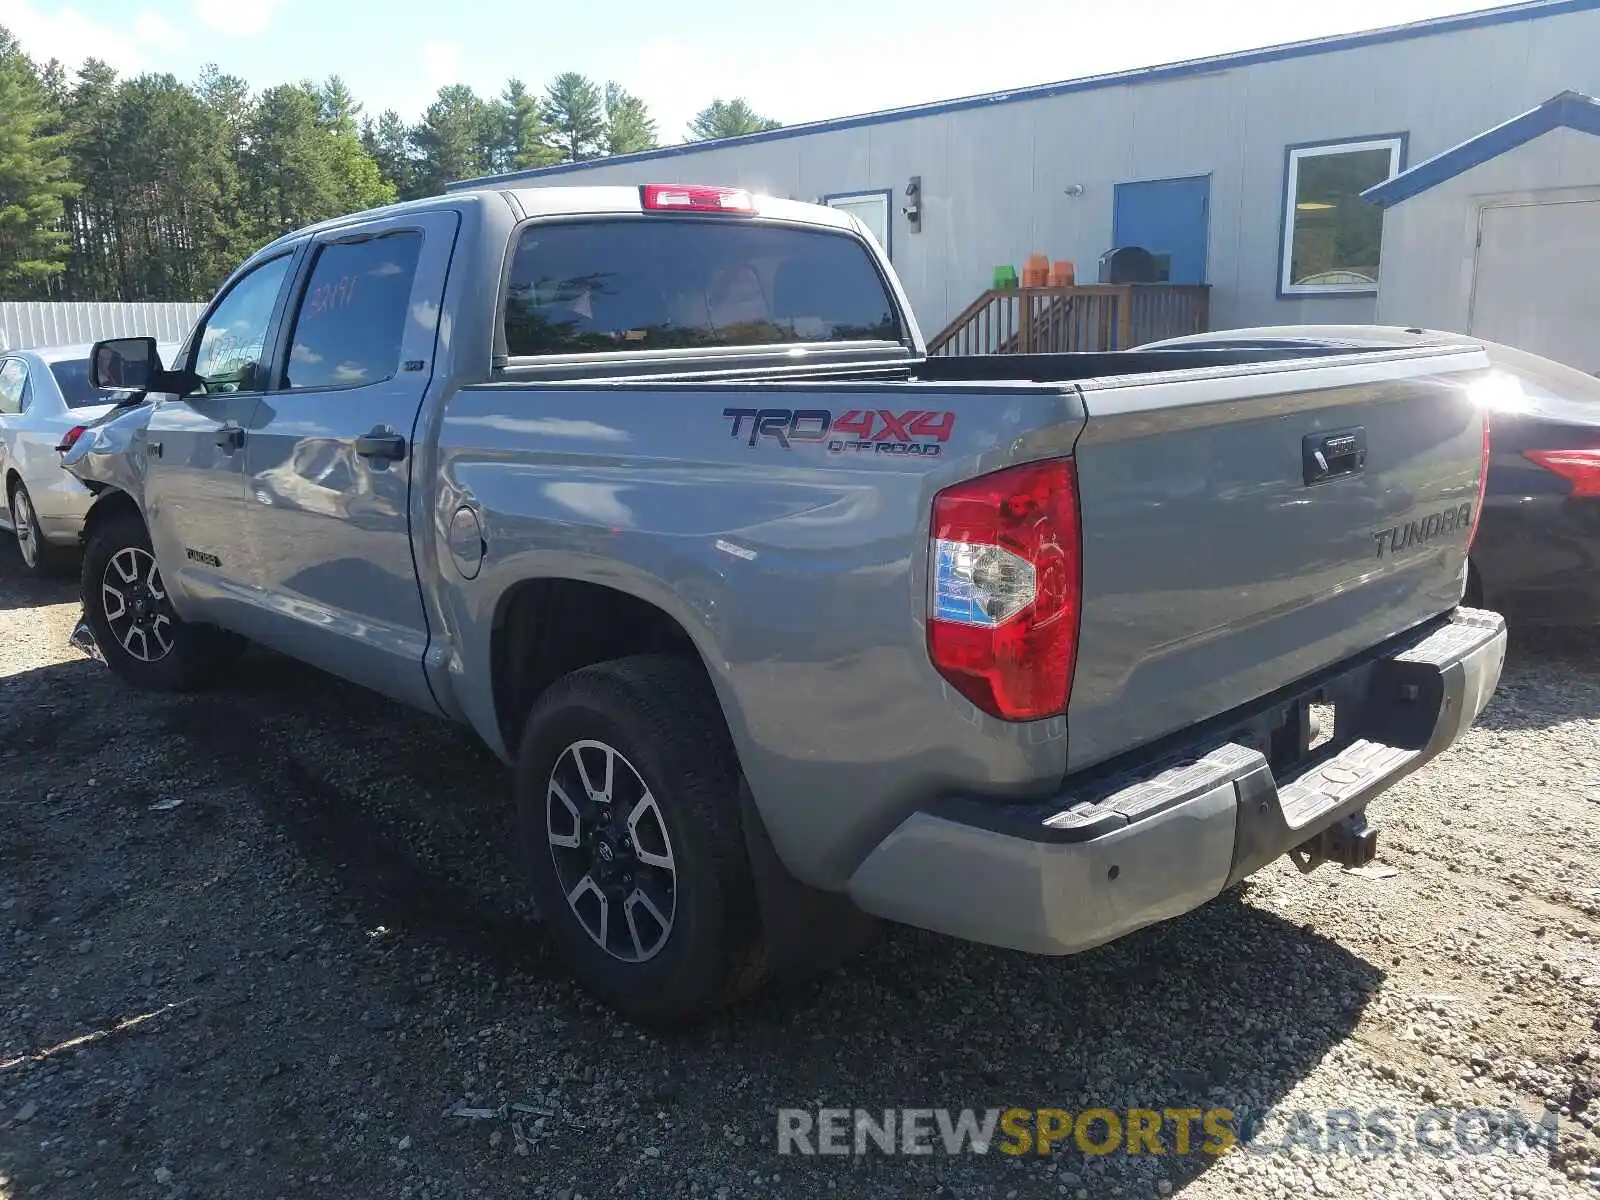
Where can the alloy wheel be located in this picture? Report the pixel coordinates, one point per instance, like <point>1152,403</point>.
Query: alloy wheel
<point>612,852</point>
<point>136,606</point>
<point>22,519</point>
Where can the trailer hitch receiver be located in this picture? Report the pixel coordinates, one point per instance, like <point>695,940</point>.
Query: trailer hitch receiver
<point>1350,842</point>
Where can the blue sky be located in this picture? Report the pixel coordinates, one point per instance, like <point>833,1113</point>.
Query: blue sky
<point>794,61</point>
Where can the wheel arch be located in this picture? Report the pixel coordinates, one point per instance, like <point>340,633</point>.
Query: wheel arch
<point>110,503</point>
<point>547,627</point>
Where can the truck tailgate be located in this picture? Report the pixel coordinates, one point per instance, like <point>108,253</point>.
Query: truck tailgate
<point>1245,527</point>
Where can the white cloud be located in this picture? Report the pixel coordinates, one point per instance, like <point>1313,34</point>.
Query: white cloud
<point>68,35</point>
<point>441,64</point>
<point>235,18</point>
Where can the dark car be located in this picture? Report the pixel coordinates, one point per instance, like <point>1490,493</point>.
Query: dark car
<point>1536,558</point>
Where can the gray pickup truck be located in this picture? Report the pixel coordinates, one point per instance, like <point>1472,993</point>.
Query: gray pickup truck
<point>784,624</point>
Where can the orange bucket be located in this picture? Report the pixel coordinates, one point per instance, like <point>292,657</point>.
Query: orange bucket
<point>1062,274</point>
<point>1037,271</point>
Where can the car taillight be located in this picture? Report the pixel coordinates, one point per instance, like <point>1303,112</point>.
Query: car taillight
<point>1580,467</point>
<point>1005,587</point>
<point>70,438</point>
<point>673,197</point>
<point>1483,481</point>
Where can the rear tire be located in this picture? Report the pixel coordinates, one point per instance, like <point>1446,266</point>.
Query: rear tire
<point>142,638</point>
<point>627,786</point>
<point>40,558</point>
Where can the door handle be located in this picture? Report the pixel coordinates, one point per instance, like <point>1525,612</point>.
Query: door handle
<point>1334,455</point>
<point>381,444</point>
<point>230,438</point>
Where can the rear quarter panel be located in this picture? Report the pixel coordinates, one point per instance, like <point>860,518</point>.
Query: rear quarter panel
<point>799,573</point>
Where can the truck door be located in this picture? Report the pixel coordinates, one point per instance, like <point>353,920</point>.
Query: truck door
<point>194,485</point>
<point>329,459</point>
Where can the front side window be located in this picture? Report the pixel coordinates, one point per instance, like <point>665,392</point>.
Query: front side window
<point>233,341</point>
<point>352,318</point>
<point>1332,236</point>
<point>13,382</point>
<point>653,283</point>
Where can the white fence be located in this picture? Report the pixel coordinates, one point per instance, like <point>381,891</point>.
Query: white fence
<point>26,324</point>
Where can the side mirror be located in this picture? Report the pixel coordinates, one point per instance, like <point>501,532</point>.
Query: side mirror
<point>133,365</point>
<point>124,364</point>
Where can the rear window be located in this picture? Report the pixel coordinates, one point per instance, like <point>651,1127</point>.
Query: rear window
<point>72,377</point>
<point>653,284</point>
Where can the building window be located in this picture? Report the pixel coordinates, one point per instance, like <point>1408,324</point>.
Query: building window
<point>1331,236</point>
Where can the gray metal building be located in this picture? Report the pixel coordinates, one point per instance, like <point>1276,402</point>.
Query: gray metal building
<point>1243,172</point>
<point>1499,236</point>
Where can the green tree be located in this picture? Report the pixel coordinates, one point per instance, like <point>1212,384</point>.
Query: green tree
<point>358,180</point>
<point>728,118</point>
<point>165,181</point>
<point>228,102</point>
<point>453,141</point>
<point>574,109</point>
<point>304,162</point>
<point>388,143</point>
<point>629,127</point>
<point>34,178</point>
<point>524,136</point>
<point>288,178</point>
<point>337,108</point>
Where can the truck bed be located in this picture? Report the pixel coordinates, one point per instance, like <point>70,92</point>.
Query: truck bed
<point>1212,573</point>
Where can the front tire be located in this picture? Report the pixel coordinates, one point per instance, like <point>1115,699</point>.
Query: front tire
<point>141,637</point>
<point>627,790</point>
<point>40,559</point>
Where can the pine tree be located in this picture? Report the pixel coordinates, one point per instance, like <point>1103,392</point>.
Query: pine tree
<point>337,108</point>
<point>629,126</point>
<point>357,178</point>
<point>289,180</point>
<point>574,109</point>
<point>34,179</point>
<point>525,137</point>
<point>160,165</point>
<point>453,141</point>
<point>389,144</point>
<point>726,119</point>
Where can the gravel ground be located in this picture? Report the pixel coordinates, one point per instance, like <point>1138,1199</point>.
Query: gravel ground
<point>265,942</point>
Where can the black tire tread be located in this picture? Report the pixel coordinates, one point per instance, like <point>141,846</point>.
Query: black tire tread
<point>201,655</point>
<point>665,703</point>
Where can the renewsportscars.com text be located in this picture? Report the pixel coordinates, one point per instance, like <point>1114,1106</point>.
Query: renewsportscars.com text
<point>1179,1132</point>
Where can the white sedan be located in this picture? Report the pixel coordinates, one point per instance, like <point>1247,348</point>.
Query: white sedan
<point>44,395</point>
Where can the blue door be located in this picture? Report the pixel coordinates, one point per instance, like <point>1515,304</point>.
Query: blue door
<point>1169,218</point>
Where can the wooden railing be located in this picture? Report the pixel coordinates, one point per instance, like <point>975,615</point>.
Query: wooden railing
<point>1056,320</point>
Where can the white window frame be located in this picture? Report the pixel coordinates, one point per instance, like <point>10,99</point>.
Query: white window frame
<point>1394,143</point>
<point>841,200</point>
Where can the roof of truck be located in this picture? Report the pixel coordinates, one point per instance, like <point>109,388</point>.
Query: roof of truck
<point>555,200</point>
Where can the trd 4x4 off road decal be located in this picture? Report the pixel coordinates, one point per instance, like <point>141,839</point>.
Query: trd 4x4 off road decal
<point>858,431</point>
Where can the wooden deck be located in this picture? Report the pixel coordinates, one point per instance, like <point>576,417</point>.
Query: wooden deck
<point>1055,320</point>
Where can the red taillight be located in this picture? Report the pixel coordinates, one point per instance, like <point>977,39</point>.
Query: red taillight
<point>70,438</point>
<point>1004,589</point>
<point>1581,467</point>
<point>1483,481</point>
<point>673,197</point>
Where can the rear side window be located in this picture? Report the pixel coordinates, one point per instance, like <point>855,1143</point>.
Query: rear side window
<point>13,382</point>
<point>352,318</point>
<point>655,284</point>
<point>72,377</point>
